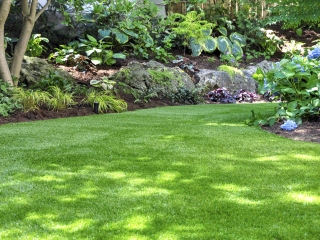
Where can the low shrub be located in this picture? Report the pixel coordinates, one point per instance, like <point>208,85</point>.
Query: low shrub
<point>30,100</point>
<point>59,99</point>
<point>106,101</point>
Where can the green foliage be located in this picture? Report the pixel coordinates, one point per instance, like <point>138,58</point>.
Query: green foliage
<point>162,77</point>
<point>187,96</point>
<point>106,101</point>
<point>60,99</point>
<point>260,119</point>
<point>144,94</point>
<point>296,12</point>
<point>30,100</point>
<point>67,55</point>
<point>53,79</point>
<point>34,48</point>
<point>293,48</point>
<point>297,83</point>
<point>137,27</point>
<point>97,51</point>
<point>232,71</point>
<point>104,84</point>
<point>194,31</point>
<point>7,104</point>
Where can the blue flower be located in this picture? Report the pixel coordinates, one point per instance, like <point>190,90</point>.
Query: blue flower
<point>289,125</point>
<point>315,53</point>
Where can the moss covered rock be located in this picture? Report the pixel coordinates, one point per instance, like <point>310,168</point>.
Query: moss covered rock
<point>33,68</point>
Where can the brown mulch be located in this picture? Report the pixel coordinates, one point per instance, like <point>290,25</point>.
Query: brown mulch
<point>308,131</point>
<point>44,114</point>
<point>307,37</point>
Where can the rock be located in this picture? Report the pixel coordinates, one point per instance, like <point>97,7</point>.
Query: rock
<point>151,77</point>
<point>33,68</point>
<point>213,79</point>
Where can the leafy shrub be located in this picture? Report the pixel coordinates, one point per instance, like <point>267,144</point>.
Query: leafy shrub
<point>106,101</point>
<point>59,99</point>
<point>34,48</point>
<point>53,79</point>
<point>185,95</point>
<point>297,83</point>
<point>8,106</point>
<point>30,100</point>
<point>196,32</point>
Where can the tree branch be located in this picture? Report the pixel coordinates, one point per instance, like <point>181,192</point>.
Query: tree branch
<point>33,9</point>
<point>43,9</point>
<point>24,8</point>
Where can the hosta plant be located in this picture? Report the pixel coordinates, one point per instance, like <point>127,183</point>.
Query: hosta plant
<point>233,45</point>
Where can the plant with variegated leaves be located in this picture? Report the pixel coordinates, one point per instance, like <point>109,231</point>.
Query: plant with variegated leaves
<point>196,32</point>
<point>233,45</point>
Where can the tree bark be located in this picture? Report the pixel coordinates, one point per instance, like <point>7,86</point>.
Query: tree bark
<point>29,18</point>
<point>4,69</point>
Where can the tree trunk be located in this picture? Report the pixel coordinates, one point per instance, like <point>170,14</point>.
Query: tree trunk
<point>4,69</point>
<point>21,47</point>
<point>30,15</point>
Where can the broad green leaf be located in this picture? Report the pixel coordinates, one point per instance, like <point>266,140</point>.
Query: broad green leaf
<point>89,52</point>
<point>316,102</point>
<point>236,49</point>
<point>207,32</point>
<point>149,38</point>
<point>288,74</point>
<point>283,62</point>
<point>281,112</point>
<point>210,44</point>
<point>272,121</point>
<point>119,55</point>
<point>279,75</point>
<point>121,37</point>
<point>223,44</point>
<point>91,38</point>
<point>104,33</point>
<point>95,82</point>
<point>130,33</point>
<point>292,105</point>
<point>195,47</point>
<point>96,61</point>
<point>223,31</point>
<point>238,37</point>
<point>110,61</point>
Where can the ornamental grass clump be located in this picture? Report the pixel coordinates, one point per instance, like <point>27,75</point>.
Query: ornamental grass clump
<point>289,125</point>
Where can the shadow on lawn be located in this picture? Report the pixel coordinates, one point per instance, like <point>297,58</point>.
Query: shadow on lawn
<point>168,181</point>
<point>150,198</point>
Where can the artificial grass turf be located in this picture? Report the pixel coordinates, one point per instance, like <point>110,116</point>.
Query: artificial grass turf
<point>189,172</point>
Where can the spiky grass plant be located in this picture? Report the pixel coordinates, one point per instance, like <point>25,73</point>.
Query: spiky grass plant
<point>30,100</point>
<point>60,100</point>
<point>106,101</point>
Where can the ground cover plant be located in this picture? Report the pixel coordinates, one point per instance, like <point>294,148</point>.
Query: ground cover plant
<point>191,172</point>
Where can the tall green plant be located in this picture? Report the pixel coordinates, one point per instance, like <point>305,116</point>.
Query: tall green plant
<point>195,31</point>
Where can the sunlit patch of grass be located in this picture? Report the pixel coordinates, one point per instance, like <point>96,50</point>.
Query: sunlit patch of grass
<point>191,172</point>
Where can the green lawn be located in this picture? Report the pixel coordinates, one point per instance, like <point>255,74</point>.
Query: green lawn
<point>187,172</point>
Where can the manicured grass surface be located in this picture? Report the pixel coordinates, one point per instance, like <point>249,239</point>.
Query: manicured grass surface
<point>190,172</point>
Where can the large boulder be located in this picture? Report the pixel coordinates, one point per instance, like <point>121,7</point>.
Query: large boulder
<point>151,77</point>
<point>241,79</point>
<point>33,69</point>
